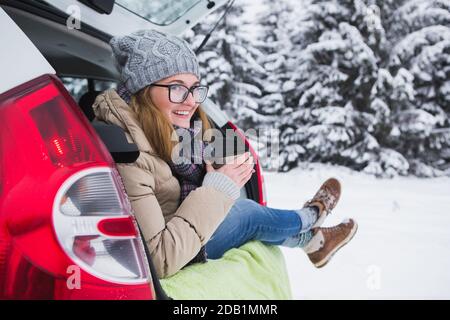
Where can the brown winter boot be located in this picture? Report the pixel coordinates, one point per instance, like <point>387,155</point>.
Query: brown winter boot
<point>325,199</point>
<point>327,241</point>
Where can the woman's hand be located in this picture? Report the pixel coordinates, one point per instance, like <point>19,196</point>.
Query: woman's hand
<point>239,169</point>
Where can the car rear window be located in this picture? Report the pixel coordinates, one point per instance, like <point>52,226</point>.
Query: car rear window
<point>162,12</point>
<point>77,87</point>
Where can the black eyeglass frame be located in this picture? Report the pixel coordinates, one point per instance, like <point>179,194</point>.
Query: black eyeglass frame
<point>189,90</point>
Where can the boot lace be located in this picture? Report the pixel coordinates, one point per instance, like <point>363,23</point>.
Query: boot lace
<point>335,229</point>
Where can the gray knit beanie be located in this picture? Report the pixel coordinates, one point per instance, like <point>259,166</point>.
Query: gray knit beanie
<point>147,56</point>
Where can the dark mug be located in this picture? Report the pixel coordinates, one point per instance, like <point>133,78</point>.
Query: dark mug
<point>220,162</point>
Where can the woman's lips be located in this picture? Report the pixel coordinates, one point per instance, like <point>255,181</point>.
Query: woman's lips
<point>182,116</point>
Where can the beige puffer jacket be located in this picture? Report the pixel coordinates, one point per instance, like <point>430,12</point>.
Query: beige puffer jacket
<point>173,233</point>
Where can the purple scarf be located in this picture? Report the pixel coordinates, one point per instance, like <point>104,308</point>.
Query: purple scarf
<point>191,171</point>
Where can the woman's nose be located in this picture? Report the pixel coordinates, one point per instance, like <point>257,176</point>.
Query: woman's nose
<point>190,100</point>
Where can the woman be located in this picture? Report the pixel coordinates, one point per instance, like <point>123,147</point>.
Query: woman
<point>184,207</point>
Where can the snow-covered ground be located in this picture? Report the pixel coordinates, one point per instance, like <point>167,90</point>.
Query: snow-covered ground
<point>401,249</point>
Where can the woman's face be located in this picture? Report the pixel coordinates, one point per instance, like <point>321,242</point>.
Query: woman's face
<point>160,98</point>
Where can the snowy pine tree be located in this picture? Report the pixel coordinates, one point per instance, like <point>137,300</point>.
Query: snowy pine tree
<point>362,83</point>
<point>273,43</point>
<point>229,65</point>
<point>337,64</point>
<point>372,86</point>
<point>233,64</point>
<point>420,51</point>
<point>216,71</point>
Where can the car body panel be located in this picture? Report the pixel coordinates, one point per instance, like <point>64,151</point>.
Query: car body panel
<point>20,60</point>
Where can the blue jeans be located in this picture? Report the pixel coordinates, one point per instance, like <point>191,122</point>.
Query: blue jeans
<point>248,220</point>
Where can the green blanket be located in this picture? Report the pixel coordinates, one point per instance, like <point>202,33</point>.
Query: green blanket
<point>253,271</point>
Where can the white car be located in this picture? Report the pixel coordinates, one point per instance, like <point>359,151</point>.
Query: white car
<point>65,220</point>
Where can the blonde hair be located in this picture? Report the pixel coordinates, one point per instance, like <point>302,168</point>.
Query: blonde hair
<point>156,126</point>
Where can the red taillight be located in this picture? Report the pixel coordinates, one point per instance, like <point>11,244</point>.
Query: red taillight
<point>117,227</point>
<point>66,227</point>
<point>261,187</point>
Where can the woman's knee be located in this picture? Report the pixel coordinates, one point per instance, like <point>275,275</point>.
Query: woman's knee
<point>247,204</point>
<point>248,210</point>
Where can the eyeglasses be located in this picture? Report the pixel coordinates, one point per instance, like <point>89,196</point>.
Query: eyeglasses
<point>178,93</point>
